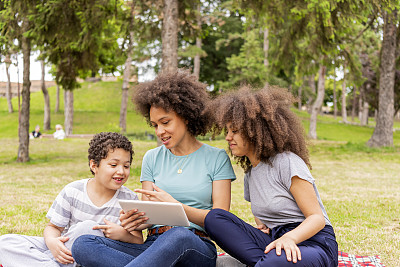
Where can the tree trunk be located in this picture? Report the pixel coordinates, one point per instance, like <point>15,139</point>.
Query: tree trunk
<point>364,114</point>
<point>46,119</point>
<point>57,108</point>
<point>316,107</point>
<point>344,111</point>
<point>299,92</point>
<point>169,36</point>
<point>360,104</point>
<point>8,86</point>
<point>23,129</point>
<point>68,111</point>
<point>266,47</point>
<point>125,86</point>
<point>334,99</point>
<point>311,84</point>
<point>353,108</point>
<point>383,133</point>
<point>196,63</point>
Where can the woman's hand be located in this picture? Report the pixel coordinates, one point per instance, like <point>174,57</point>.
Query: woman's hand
<point>132,220</point>
<point>111,230</point>
<point>289,245</point>
<point>263,228</point>
<point>60,252</point>
<point>157,195</point>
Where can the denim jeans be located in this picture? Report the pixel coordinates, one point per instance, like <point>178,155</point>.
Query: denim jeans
<point>247,244</point>
<point>178,246</point>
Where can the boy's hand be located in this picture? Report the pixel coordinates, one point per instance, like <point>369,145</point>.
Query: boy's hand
<point>111,230</point>
<point>60,252</point>
<point>132,219</point>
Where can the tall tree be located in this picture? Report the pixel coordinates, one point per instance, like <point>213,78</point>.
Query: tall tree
<point>15,19</point>
<point>383,133</point>
<point>72,34</point>
<point>316,106</point>
<point>46,96</point>
<point>169,36</point>
<point>8,86</point>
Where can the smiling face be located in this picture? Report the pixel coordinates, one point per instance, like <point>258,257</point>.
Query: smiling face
<point>239,146</point>
<point>169,127</point>
<point>113,171</point>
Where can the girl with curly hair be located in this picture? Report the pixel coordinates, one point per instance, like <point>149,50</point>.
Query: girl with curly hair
<point>267,140</point>
<point>182,170</point>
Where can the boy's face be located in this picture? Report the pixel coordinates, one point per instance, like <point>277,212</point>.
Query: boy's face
<point>112,171</point>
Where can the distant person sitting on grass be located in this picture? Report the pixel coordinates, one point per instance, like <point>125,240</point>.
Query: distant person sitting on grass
<point>267,140</point>
<point>88,206</point>
<point>59,133</point>
<point>35,133</point>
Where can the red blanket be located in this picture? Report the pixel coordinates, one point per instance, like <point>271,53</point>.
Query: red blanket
<point>347,260</point>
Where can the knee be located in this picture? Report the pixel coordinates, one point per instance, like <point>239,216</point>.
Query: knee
<point>82,246</point>
<point>213,217</point>
<point>85,228</point>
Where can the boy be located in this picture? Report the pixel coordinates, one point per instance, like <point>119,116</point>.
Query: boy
<point>79,209</point>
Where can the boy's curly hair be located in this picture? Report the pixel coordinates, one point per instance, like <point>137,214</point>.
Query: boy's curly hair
<point>104,142</point>
<point>178,91</point>
<point>264,120</point>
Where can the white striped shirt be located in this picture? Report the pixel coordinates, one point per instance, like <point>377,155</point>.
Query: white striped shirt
<point>73,205</point>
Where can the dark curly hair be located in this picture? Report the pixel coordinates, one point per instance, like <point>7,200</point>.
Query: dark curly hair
<point>265,121</point>
<point>177,91</point>
<point>104,142</point>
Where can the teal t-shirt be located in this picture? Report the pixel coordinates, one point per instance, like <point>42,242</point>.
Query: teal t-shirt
<point>193,186</point>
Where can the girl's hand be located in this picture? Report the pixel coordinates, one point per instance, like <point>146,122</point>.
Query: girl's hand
<point>157,195</point>
<point>111,230</point>
<point>60,252</point>
<point>291,249</point>
<point>263,228</point>
<point>132,219</point>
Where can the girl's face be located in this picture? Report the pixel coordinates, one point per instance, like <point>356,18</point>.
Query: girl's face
<point>169,127</point>
<point>237,144</point>
<point>113,171</point>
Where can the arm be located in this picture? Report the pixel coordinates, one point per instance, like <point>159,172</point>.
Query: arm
<point>116,232</point>
<point>304,194</point>
<point>55,243</point>
<point>134,220</point>
<point>221,195</point>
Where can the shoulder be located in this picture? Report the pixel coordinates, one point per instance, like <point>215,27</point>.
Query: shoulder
<point>287,158</point>
<point>154,151</point>
<point>212,151</point>
<point>75,186</point>
<point>126,193</point>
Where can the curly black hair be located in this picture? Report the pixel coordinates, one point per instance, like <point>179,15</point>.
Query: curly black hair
<point>104,142</point>
<point>264,119</point>
<point>178,91</point>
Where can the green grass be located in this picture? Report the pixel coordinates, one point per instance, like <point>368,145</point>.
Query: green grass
<point>358,185</point>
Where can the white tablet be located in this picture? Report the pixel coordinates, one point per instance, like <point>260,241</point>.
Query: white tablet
<point>164,213</point>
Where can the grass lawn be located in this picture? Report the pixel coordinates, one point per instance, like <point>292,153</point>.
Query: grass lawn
<point>358,185</point>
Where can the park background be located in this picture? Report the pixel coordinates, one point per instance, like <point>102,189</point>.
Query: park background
<point>339,58</point>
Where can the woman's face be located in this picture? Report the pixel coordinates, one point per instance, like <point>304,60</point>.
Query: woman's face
<point>237,144</point>
<point>169,127</point>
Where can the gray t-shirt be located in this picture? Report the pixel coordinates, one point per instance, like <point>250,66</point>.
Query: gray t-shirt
<point>268,189</point>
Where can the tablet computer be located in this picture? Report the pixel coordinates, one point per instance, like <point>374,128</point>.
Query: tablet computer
<point>164,213</point>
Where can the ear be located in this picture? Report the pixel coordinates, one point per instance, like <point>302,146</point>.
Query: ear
<point>93,165</point>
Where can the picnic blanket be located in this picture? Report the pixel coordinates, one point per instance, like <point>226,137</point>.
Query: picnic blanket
<point>345,260</point>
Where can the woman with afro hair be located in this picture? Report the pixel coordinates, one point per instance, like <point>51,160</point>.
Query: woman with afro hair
<point>181,170</point>
<point>267,140</point>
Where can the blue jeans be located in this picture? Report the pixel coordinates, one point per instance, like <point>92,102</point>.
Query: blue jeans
<point>247,244</point>
<point>178,246</point>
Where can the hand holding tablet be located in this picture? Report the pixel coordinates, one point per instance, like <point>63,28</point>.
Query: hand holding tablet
<point>164,213</point>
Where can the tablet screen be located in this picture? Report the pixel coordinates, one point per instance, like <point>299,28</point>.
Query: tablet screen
<point>164,213</point>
